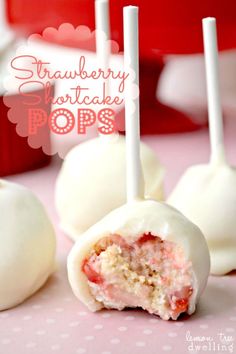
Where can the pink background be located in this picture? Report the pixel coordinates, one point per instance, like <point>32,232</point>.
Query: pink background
<point>53,320</point>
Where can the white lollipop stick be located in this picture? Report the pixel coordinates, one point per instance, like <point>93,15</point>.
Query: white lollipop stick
<point>134,176</point>
<point>102,33</point>
<point>103,36</point>
<point>213,90</point>
<point>102,18</point>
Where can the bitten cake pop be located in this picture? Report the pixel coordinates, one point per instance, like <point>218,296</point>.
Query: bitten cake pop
<point>27,244</point>
<point>144,254</point>
<point>206,194</point>
<point>91,182</point>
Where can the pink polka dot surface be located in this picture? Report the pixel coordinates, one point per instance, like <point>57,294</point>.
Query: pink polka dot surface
<point>54,321</point>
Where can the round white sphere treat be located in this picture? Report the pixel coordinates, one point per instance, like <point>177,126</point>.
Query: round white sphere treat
<point>27,244</point>
<point>144,254</point>
<point>92,182</point>
<point>206,194</point>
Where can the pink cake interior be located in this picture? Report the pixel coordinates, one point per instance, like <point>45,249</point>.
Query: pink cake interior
<point>149,273</point>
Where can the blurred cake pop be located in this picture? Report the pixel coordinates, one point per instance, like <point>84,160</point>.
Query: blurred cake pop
<point>206,194</point>
<point>91,182</point>
<point>145,253</point>
<point>27,244</point>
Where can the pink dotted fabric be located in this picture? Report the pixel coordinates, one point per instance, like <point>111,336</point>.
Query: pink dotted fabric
<point>53,320</point>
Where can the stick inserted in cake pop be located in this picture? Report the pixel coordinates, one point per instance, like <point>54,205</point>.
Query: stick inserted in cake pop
<point>134,176</point>
<point>213,90</point>
<point>206,193</point>
<point>144,254</point>
<point>80,201</point>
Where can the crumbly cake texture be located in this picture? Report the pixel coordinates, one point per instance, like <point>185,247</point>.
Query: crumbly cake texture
<point>149,273</point>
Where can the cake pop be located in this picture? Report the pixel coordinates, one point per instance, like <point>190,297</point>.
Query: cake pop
<point>91,182</point>
<point>27,244</point>
<point>145,253</point>
<point>206,194</point>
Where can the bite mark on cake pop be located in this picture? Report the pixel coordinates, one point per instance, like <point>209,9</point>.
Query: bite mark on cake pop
<point>149,273</point>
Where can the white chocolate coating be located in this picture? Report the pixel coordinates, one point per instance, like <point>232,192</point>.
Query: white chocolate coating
<point>27,244</point>
<point>130,221</point>
<point>92,182</point>
<point>206,194</point>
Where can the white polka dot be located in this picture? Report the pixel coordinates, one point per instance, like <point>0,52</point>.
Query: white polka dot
<point>5,341</point>
<point>229,330</point>
<point>122,329</point>
<point>74,324</point>
<point>140,344</point>
<point>167,348</point>
<point>153,320</point>
<point>65,335</point>
<point>30,345</point>
<point>147,331</point>
<point>41,332</point>
<point>106,315</point>
<point>50,320</point>
<point>27,318</point>
<point>98,326</point>
<point>67,299</point>
<point>55,347</point>
<point>82,313</point>
<point>4,315</point>
<point>89,338</point>
<point>59,309</point>
<point>129,318</point>
<point>233,318</point>
<point>220,285</point>
<point>204,326</point>
<point>115,340</point>
<point>172,334</point>
<point>179,324</point>
<point>36,307</point>
<point>208,317</point>
<point>81,350</point>
<point>17,329</point>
